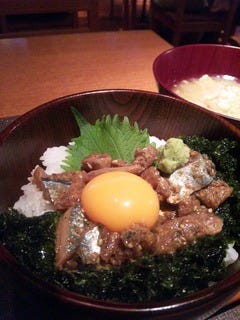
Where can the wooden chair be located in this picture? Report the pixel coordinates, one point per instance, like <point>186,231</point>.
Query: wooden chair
<point>29,7</point>
<point>129,12</point>
<point>125,13</point>
<point>179,21</point>
<point>133,16</point>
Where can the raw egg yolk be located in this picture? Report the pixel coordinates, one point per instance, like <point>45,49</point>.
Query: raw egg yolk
<point>118,200</point>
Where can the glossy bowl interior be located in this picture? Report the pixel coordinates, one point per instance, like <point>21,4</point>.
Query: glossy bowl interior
<point>23,142</point>
<point>193,61</point>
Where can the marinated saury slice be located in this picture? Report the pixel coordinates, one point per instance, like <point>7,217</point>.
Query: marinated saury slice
<point>63,189</point>
<point>143,159</point>
<point>214,194</point>
<point>76,235</point>
<point>190,178</point>
<point>180,231</point>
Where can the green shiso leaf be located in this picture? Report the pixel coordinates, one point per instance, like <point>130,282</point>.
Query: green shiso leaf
<point>108,135</point>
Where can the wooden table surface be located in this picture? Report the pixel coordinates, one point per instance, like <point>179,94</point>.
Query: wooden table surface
<point>38,69</point>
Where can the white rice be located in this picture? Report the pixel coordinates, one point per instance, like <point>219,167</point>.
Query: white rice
<point>231,256</point>
<point>158,142</point>
<point>52,159</point>
<point>32,203</point>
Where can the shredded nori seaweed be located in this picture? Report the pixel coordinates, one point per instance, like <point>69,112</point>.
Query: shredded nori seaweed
<point>32,240</point>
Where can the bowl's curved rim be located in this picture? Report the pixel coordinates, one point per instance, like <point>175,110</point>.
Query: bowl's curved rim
<point>179,48</point>
<point>198,45</point>
<point>24,117</point>
<point>194,45</point>
<point>84,301</point>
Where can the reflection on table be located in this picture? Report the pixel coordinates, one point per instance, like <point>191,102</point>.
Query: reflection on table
<point>41,68</point>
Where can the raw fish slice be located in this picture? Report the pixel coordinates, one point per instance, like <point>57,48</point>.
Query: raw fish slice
<point>190,178</point>
<point>76,235</point>
<point>54,188</point>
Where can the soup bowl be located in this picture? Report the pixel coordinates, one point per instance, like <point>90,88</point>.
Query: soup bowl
<point>194,61</point>
<point>52,124</point>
